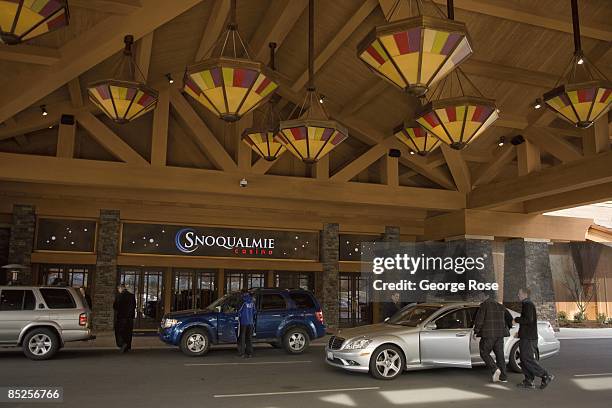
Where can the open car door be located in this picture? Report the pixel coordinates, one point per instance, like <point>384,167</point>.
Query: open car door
<point>445,342</point>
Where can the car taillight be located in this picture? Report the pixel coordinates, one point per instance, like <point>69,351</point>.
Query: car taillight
<point>319,316</point>
<point>83,319</point>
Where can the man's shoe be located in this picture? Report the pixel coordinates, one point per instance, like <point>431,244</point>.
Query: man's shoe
<point>546,380</point>
<point>503,379</point>
<point>249,356</point>
<point>123,348</point>
<point>496,375</point>
<point>526,385</point>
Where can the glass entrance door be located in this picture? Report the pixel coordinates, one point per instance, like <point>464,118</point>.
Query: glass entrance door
<point>238,280</point>
<point>147,286</point>
<point>354,308</point>
<point>193,288</point>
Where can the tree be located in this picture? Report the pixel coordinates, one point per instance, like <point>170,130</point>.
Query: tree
<point>582,293</point>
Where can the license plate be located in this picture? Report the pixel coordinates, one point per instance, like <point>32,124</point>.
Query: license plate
<point>330,355</point>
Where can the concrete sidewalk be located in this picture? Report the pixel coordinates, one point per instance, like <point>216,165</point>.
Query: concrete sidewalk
<point>106,340</point>
<point>584,334</point>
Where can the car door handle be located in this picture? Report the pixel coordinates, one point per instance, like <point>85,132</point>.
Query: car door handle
<point>462,334</point>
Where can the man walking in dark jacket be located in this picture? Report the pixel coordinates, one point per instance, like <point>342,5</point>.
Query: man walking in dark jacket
<point>492,324</point>
<point>528,343</point>
<point>247,319</point>
<point>124,307</point>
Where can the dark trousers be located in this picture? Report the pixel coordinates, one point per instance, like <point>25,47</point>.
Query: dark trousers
<point>529,365</point>
<point>496,345</point>
<point>245,339</point>
<point>123,332</point>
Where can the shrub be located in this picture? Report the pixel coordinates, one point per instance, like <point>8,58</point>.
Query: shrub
<point>579,317</point>
<point>562,316</point>
<point>601,318</point>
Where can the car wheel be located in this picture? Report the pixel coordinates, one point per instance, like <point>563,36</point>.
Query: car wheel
<point>387,362</point>
<point>195,342</point>
<point>296,340</point>
<point>515,358</point>
<point>40,344</point>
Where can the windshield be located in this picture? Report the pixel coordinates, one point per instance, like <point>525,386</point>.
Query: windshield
<point>413,315</point>
<point>217,302</point>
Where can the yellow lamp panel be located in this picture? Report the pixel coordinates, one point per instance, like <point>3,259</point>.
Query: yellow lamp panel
<point>251,100</point>
<point>136,113</point>
<point>598,108</point>
<point>235,95</point>
<point>215,95</point>
<point>430,64</point>
<point>409,65</point>
<point>7,14</point>
<point>583,109</point>
<point>470,129</point>
<point>389,71</point>
<point>568,112</point>
<point>122,106</point>
<point>455,129</point>
<point>27,20</point>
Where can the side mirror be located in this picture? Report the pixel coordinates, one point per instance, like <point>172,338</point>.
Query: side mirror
<point>218,309</point>
<point>431,326</point>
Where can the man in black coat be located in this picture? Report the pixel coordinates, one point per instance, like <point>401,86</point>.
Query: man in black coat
<point>391,308</point>
<point>124,307</point>
<point>492,324</point>
<point>528,343</point>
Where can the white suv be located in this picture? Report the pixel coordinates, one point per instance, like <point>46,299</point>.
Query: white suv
<point>42,319</point>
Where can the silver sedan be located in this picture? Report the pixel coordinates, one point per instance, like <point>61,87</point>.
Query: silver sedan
<point>424,336</point>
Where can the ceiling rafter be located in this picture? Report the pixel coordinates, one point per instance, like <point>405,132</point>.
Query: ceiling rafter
<point>458,168</point>
<point>362,162</point>
<point>85,51</point>
<point>553,144</point>
<point>143,54</point>
<point>488,171</point>
<point>213,28</point>
<point>30,54</point>
<point>109,6</point>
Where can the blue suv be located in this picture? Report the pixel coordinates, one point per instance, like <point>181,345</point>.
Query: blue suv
<point>287,318</point>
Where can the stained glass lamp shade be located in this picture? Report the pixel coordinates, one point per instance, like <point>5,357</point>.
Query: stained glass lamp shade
<point>416,138</point>
<point>229,87</point>
<point>262,137</point>
<point>415,53</point>
<point>21,20</point>
<point>311,139</point>
<point>580,104</point>
<point>123,99</point>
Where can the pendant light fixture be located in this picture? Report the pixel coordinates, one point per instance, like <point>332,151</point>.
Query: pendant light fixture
<point>415,53</point>
<point>230,85</point>
<point>416,138</point>
<point>313,134</point>
<point>261,138</point>
<point>22,20</point>
<point>124,98</point>
<point>586,93</point>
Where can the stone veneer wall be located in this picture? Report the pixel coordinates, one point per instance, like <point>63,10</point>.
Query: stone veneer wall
<point>326,283</point>
<point>5,236</point>
<point>105,278</point>
<point>21,242</point>
<point>527,264</point>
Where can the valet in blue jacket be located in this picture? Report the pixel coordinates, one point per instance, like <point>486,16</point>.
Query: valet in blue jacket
<point>247,320</point>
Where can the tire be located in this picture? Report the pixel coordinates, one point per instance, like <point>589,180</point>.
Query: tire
<point>40,344</point>
<point>514,360</point>
<point>387,362</point>
<point>195,342</point>
<point>296,340</point>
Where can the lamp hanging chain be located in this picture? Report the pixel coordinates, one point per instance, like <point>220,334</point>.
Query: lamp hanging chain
<point>576,28</point>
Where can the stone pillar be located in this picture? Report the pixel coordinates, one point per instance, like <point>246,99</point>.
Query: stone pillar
<point>21,242</point>
<point>105,278</point>
<point>527,265</point>
<point>5,236</point>
<point>326,283</point>
<point>390,236</point>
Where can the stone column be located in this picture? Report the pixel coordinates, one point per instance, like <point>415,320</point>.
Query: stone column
<point>105,278</point>
<point>326,283</point>
<point>21,242</point>
<point>390,236</point>
<point>527,265</point>
<point>5,236</point>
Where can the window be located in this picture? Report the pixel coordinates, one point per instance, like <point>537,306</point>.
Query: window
<point>58,299</point>
<point>471,315</point>
<point>17,300</point>
<point>453,320</point>
<point>272,302</point>
<point>302,300</point>
<point>231,304</point>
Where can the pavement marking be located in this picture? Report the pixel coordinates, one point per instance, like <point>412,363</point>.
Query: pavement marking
<point>591,375</point>
<point>585,338</point>
<point>498,386</point>
<point>263,394</point>
<point>254,363</point>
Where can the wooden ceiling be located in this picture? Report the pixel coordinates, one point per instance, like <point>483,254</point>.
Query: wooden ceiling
<point>521,48</point>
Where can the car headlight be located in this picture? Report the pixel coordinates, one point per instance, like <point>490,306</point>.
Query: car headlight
<point>358,344</point>
<point>170,323</point>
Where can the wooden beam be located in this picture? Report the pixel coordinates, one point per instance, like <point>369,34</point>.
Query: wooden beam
<point>66,137</point>
<point>108,139</point>
<point>581,196</point>
<point>283,15</point>
<point>262,166</point>
<point>364,98</point>
<point>143,54</point>
<point>353,168</point>
<point>84,52</point>
<point>458,168</point>
<point>597,140</point>
<point>42,169</point>
<point>553,144</point>
<point>509,74</point>
<point>419,164</point>
<point>520,14</point>
<point>213,28</point>
<point>528,156</point>
<point>488,171</point>
<point>215,152</point>
<point>32,120</point>
<point>508,120</point>
<point>244,153</point>
<point>321,168</point>
<point>390,171</point>
<point>108,6</point>
<point>30,54</point>
<point>566,177</point>
<point>159,140</point>
<point>336,42</point>
<point>76,96</point>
